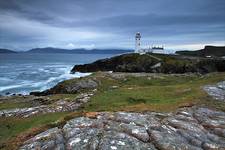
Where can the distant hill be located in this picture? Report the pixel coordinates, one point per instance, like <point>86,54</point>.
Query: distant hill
<point>207,51</point>
<point>6,51</point>
<point>78,51</point>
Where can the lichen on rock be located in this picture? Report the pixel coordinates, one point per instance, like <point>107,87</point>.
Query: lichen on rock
<point>193,128</point>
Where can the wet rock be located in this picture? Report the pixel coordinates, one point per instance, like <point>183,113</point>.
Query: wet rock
<point>7,93</point>
<point>36,93</point>
<point>187,129</point>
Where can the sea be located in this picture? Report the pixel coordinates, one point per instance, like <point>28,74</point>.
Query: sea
<point>21,73</point>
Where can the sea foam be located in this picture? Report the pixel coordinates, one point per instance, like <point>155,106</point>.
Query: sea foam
<point>38,79</point>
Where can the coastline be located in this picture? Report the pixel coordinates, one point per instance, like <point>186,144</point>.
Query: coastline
<point>114,97</point>
<point>23,73</point>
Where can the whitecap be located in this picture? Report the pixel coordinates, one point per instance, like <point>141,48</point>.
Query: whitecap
<point>3,88</point>
<point>4,79</point>
<point>37,78</point>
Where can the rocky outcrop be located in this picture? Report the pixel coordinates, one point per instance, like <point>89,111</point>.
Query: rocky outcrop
<point>58,106</point>
<point>122,63</point>
<point>216,91</point>
<point>70,87</point>
<point>187,129</point>
<point>154,63</point>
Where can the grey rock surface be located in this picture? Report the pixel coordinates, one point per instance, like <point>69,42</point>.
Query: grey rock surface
<point>216,91</point>
<point>187,129</point>
<point>58,106</point>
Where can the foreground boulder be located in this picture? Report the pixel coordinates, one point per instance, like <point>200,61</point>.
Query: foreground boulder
<point>154,63</point>
<point>187,129</point>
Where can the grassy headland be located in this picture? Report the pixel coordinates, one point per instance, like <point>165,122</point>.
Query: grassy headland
<point>137,92</point>
<point>154,63</point>
<point>153,92</point>
<point>119,92</point>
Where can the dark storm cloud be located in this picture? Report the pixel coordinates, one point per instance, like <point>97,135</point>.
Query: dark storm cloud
<point>110,23</point>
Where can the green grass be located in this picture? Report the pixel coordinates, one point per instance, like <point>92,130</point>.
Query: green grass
<point>67,97</point>
<point>10,127</point>
<point>12,105</point>
<point>14,102</point>
<point>158,93</point>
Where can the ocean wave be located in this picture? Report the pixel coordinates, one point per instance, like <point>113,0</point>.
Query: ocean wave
<point>54,80</point>
<point>59,74</point>
<point>44,70</point>
<point>39,86</point>
<point>2,79</point>
<point>32,72</point>
<point>4,88</point>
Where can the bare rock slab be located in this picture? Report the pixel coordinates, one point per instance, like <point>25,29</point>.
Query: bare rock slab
<point>216,91</point>
<point>187,129</point>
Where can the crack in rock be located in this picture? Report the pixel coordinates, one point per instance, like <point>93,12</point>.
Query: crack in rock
<point>193,128</point>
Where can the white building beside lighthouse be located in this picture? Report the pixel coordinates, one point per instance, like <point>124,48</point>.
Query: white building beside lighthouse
<point>138,49</point>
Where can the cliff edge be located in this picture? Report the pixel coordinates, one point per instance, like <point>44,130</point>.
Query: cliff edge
<point>154,63</point>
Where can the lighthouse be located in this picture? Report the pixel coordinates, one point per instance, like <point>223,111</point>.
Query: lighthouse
<point>138,49</point>
<point>137,42</point>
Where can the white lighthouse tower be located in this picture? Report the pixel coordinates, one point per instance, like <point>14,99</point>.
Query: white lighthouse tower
<point>137,42</point>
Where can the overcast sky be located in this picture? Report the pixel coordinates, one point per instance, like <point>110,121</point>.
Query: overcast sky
<point>177,24</point>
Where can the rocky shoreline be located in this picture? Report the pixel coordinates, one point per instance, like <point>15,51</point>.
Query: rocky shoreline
<point>216,91</point>
<point>190,127</point>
